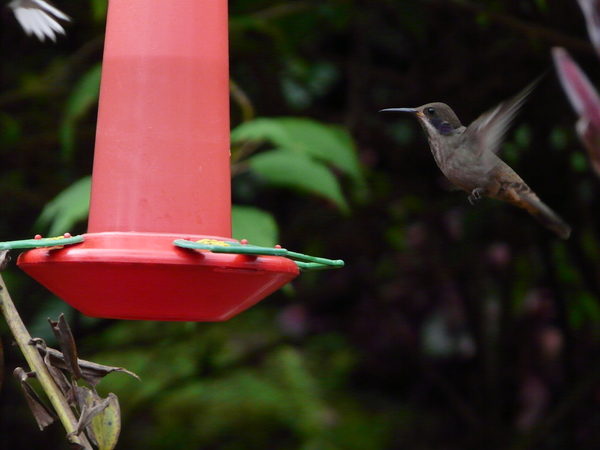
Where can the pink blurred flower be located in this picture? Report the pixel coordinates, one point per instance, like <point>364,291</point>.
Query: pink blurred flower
<point>584,99</point>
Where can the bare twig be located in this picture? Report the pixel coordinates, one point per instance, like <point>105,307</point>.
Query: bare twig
<point>243,101</point>
<point>36,363</point>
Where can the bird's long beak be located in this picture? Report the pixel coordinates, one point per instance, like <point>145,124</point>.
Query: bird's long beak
<point>407,110</point>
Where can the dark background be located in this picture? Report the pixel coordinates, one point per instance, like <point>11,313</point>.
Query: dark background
<point>450,327</point>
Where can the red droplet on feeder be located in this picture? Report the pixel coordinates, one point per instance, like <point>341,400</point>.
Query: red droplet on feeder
<point>38,236</point>
<point>161,172</point>
<point>244,242</point>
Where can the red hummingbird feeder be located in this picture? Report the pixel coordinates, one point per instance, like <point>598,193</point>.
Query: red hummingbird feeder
<point>161,173</point>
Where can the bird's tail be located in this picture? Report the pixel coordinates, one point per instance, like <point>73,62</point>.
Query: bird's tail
<point>544,214</point>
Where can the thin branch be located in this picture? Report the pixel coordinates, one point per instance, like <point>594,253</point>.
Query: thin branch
<point>242,100</point>
<point>241,152</point>
<point>36,363</point>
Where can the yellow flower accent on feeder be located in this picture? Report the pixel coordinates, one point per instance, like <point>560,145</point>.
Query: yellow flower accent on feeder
<point>213,242</point>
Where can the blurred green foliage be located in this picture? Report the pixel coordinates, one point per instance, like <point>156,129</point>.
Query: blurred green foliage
<point>450,327</point>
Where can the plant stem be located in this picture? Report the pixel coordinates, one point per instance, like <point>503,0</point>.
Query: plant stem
<point>36,363</point>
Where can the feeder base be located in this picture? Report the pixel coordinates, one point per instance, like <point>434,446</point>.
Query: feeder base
<point>143,276</point>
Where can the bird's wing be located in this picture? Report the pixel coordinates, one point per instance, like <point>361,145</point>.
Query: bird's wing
<point>39,17</point>
<point>489,129</point>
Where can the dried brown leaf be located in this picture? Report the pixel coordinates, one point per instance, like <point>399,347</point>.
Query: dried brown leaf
<point>101,418</point>
<point>44,416</point>
<point>57,375</point>
<point>91,372</point>
<point>87,402</point>
<point>106,426</point>
<point>66,342</point>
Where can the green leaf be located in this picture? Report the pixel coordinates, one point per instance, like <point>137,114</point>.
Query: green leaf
<point>99,10</point>
<point>84,96</point>
<point>579,162</point>
<point>101,418</point>
<point>523,136</point>
<point>325,142</point>
<point>286,168</point>
<point>559,138</point>
<point>542,5</point>
<point>106,425</point>
<point>256,226</point>
<point>68,208</point>
<point>10,130</point>
<point>584,309</point>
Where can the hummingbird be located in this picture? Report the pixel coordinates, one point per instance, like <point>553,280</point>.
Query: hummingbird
<point>467,156</point>
<point>39,17</point>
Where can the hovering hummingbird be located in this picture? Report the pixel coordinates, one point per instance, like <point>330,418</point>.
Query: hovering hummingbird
<point>467,156</point>
<point>39,17</point>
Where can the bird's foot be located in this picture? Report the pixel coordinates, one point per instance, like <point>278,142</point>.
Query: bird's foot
<point>475,196</point>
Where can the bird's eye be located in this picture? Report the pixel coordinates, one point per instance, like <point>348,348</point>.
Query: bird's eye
<point>430,111</point>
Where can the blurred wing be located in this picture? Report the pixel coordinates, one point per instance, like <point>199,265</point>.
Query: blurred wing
<point>491,127</point>
<point>39,17</point>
